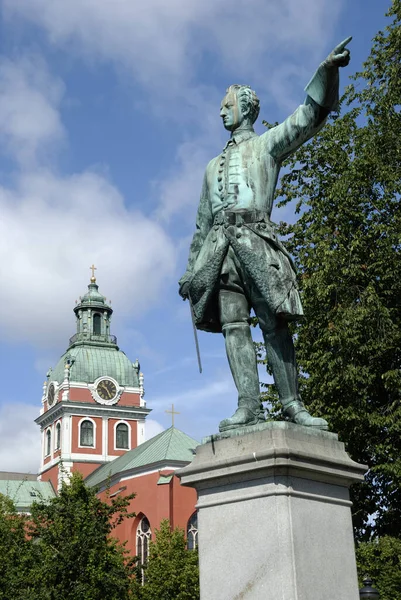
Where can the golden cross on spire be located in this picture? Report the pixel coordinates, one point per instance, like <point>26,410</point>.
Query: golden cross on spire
<point>172,412</point>
<point>93,268</point>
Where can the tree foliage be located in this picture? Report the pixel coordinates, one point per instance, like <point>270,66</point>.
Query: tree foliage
<point>347,247</point>
<point>172,571</point>
<point>16,575</point>
<point>77,557</point>
<point>381,559</point>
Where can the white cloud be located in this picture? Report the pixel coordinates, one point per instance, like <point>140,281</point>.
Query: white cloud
<point>273,46</point>
<point>19,438</point>
<point>29,98</point>
<point>152,428</point>
<point>163,43</point>
<point>53,227</point>
<point>179,192</point>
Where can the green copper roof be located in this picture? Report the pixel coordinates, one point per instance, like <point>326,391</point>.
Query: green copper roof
<point>88,362</point>
<point>24,493</point>
<point>92,296</point>
<point>168,446</point>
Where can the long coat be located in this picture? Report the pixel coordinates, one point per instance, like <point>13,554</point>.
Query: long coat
<point>241,180</point>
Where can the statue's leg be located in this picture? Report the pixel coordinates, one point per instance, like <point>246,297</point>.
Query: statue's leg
<point>280,355</point>
<point>234,315</point>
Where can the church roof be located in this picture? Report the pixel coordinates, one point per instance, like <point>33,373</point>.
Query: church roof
<point>88,362</point>
<point>171,445</point>
<point>25,492</point>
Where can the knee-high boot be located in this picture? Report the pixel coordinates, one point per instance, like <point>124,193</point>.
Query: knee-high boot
<point>280,354</point>
<point>242,360</point>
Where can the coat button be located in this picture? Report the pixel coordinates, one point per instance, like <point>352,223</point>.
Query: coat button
<point>220,188</point>
<point>238,235</point>
<point>219,178</point>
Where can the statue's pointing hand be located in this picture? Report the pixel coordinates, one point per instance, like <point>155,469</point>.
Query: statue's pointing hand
<point>340,56</point>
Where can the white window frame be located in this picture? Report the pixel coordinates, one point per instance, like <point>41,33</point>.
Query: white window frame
<point>48,431</point>
<point>122,422</point>
<point>79,432</point>
<point>56,426</point>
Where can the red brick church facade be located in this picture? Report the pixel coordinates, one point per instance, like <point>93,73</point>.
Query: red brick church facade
<point>93,420</point>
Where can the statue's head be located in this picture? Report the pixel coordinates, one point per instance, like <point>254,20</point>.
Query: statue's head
<point>239,105</point>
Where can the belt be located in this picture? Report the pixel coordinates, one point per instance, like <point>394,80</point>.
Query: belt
<point>240,217</point>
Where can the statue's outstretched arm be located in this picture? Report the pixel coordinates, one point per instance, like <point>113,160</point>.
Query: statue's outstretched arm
<point>308,118</point>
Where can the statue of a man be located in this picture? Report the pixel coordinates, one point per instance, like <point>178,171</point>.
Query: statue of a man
<point>236,261</point>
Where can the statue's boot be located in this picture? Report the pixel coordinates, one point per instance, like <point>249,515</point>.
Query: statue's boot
<point>280,354</point>
<point>242,360</point>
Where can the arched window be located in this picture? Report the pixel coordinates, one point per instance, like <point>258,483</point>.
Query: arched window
<point>143,535</point>
<point>58,436</point>
<point>86,433</point>
<point>97,324</point>
<point>192,532</point>
<point>48,442</point>
<point>122,436</point>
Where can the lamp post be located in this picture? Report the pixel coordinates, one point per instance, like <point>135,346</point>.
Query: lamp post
<point>368,592</point>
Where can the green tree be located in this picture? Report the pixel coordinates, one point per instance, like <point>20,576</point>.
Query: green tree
<point>16,554</point>
<point>346,243</point>
<point>347,247</point>
<point>172,571</point>
<point>76,556</point>
<point>381,559</point>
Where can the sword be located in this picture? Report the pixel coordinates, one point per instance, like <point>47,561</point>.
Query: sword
<point>195,335</point>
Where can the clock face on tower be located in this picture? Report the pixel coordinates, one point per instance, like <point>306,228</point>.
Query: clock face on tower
<point>50,394</point>
<point>106,390</point>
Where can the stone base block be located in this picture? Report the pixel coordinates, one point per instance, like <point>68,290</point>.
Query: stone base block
<point>274,515</point>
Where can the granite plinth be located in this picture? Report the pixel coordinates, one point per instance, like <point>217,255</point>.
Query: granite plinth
<point>274,515</point>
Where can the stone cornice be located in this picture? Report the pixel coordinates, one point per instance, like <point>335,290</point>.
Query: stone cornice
<point>62,409</point>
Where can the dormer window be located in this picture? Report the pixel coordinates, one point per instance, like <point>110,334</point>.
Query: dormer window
<point>97,324</point>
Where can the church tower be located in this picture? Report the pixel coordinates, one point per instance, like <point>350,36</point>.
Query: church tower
<point>93,407</point>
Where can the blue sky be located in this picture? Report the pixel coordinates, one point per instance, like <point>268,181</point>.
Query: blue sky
<point>109,113</point>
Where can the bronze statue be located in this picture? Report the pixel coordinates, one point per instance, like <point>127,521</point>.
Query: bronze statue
<point>236,262</point>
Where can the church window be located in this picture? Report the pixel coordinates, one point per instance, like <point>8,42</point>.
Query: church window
<point>86,434</point>
<point>192,532</point>
<point>143,535</point>
<point>122,436</point>
<point>48,442</point>
<point>58,436</point>
<point>97,324</point>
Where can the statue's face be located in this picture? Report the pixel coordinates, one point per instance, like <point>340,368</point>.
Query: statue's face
<point>231,111</point>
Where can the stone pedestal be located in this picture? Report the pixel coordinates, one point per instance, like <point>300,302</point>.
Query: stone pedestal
<point>274,515</point>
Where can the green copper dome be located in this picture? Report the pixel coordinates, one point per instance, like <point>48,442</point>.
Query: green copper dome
<point>93,296</point>
<point>93,351</point>
<point>87,363</point>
